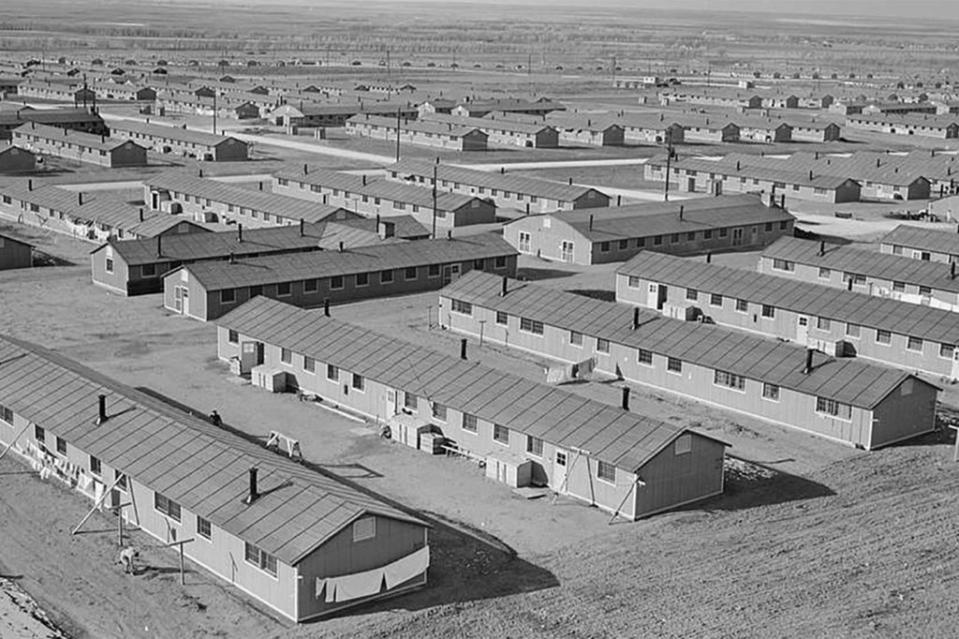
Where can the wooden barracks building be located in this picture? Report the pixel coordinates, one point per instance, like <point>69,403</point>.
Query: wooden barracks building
<point>182,142</point>
<point>81,147</point>
<point>930,245</point>
<point>839,322</point>
<point>842,399</point>
<point>384,197</point>
<point>206,290</point>
<point>882,274</point>
<point>703,225</point>
<point>524,432</point>
<point>303,544</point>
<point>508,191</point>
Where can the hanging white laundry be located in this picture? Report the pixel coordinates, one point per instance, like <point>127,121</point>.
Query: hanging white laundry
<point>358,585</point>
<point>83,482</point>
<point>330,591</point>
<point>320,585</point>
<point>98,490</point>
<point>402,570</point>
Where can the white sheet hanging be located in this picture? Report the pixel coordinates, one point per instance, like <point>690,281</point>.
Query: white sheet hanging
<point>402,570</point>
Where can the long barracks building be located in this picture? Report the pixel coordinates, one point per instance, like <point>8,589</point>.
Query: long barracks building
<point>690,227</point>
<point>929,245</point>
<point>882,274</point>
<point>509,191</point>
<point>384,197</point>
<point>845,400</point>
<point>524,431</point>
<point>844,323</point>
<point>206,290</point>
<point>302,543</point>
<point>135,267</point>
<point>178,192</point>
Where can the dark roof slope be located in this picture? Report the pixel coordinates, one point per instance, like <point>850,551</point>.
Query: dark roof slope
<point>850,381</point>
<point>202,468</point>
<point>624,439</point>
<point>271,269</point>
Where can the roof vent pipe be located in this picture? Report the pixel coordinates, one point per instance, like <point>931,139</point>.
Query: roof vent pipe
<point>505,286</point>
<point>254,491</point>
<point>709,257</point>
<point>200,173</point>
<point>681,210</point>
<point>159,245</point>
<point>635,318</point>
<point>822,248</point>
<point>102,409</point>
<point>341,246</point>
<point>463,348</point>
<point>625,400</point>
<point>29,185</point>
<point>449,234</point>
<point>232,258</point>
<point>591,223</point>
<point>260,184</point>
<point>808,367</point>
<point>571,181</point>
<point>79,198</point>
<point>952,270</point>
<point>364,180</point>
<point>239,232</point>
<point>849,284</point>
<point>305,169</point>
<point>141,213</point>
<point>326,307</point>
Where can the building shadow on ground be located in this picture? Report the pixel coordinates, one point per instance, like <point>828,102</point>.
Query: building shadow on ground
<point>750,484</point>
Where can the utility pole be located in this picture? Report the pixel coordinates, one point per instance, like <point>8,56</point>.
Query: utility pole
<point>614,69</point>
<point>387,63</point>
<point>434,197</point>
<point>529,72</point>
<point>670,152</point>
<point>214,112</point>
<point>398,134</point>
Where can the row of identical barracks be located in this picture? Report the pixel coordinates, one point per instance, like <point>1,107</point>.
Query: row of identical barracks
<point>304,544</point>
<point>882,274</point>
<point>842,399</point>
<point>524,431</point>
<point>840,322</point>
<point>135,267</point>
<point>614,234</point>
<point>206,290</point>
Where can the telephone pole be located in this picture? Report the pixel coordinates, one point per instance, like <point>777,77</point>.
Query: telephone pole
<point>669,162</point>
<point>398,133</point>
<point>435,166</point>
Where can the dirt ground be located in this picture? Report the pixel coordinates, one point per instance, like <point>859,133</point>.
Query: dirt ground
<point>809,539</point>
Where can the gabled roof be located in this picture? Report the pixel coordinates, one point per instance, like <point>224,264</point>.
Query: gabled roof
<point>660,218</point>
<point>807,298</point>
<point>57,134</point>
<point>172,132</point>
<point>272,269</point>
<point>191,247</point>
<point>419,126</point>
<point>290,208</point>
<point>626,440</point>
<point>96,207</point>
<point>10,238</point>
<point>492,180</point>
<point>851,381</point>
<point>849,259</point>
<point>385,189</point>
<point>202,468</point>
<point>48,116</point>
<point>922,238</point>
<point>486,124</point>
<point>776,173</point>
